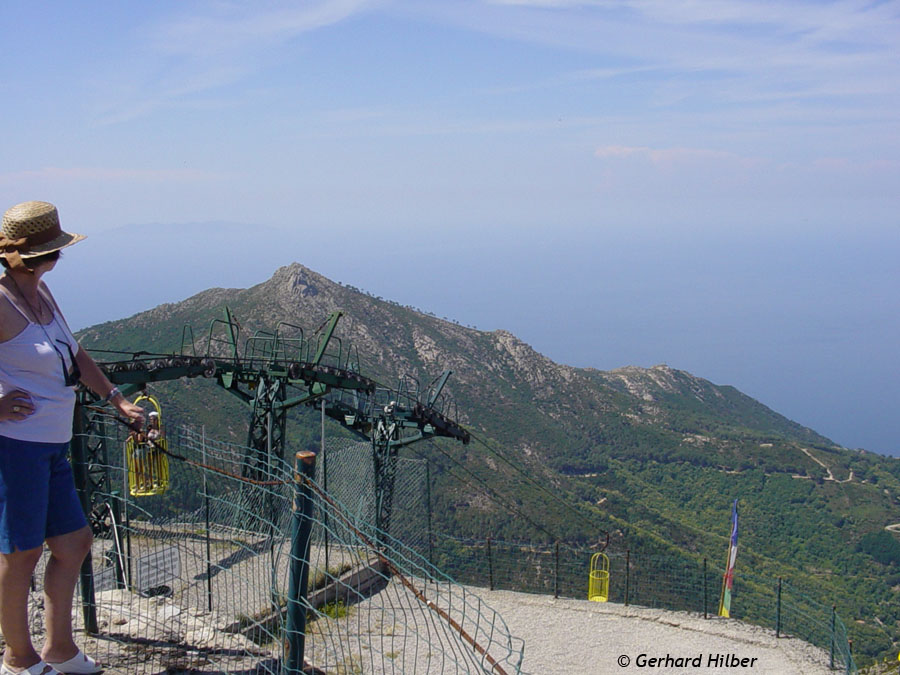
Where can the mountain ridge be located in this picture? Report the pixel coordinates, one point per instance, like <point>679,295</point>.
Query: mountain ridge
<point>297,280</point>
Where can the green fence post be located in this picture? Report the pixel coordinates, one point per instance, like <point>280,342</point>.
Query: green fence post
<point>705,616</point>
<point>209,566</point>
<point>627,574</point>
<point>556,577</point>
<point>78,448</point>
<point>833,615</point>
<point>324,482</point>
<point>428,498</point>
<point>298,581</point>
<point>115,513</point>
<point>490,565</point>
<point>778,611</point>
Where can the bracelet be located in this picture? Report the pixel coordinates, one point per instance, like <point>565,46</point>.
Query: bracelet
<point>112,394</point>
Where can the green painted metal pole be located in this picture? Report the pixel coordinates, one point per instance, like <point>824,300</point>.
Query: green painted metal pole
<point>326,336</point>
<point>428,498</point>
<point>556,573</point>
<point>270,506</point>
<point>705,615</point>
<point>116,516</point>
<point>298,581</point>
<point>432,398</point>
<point>324,481</point>
<point>831,656</point>
<point>80,471</point>
<point>778,611</point>
<point>126,519</point>
<point>627,574</point>
<point>229,317</point>
<point>209,570</point>
<point>490,565</point>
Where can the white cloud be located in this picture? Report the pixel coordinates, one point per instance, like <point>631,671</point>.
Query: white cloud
<point>204,50</point>
<point>761,46</point>
<point>230,27</point>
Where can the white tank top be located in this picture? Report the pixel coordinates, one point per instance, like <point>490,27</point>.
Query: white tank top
<point>31,362</point>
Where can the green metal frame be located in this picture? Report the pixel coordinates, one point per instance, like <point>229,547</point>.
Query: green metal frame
<point>271,367</point>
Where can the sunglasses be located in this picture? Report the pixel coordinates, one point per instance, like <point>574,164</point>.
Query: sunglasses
<point>73,377</point>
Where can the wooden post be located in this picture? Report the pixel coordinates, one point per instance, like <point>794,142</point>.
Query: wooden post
<point>298,581</point>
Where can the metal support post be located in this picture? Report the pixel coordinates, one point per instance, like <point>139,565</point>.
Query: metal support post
<point>265,442</point>
<point>490,565</point>
<point>778,611</point>
<point>428,499</point>
<point>385,456</point>
<point>129,576</point>
<point>705,616</point>
<point>209,575</point>
<point>126,520</point>
<point>324,482</point>
<point>80,471</point>
<point>831,655</point>
<point>556,573</point>
<point>298,581</point>
<point>627,573</point>
<point>116,528</point>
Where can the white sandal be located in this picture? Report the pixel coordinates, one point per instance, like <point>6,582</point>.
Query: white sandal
<point>39,668</point>
<point>80,664</point>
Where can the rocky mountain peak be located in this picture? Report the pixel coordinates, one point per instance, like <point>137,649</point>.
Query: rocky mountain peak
<point>298,280</point>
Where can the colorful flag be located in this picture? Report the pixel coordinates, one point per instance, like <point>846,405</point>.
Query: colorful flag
<point>728,579</point>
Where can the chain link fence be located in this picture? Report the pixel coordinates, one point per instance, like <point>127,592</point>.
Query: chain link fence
<point>346,472</point>
<point>657,581</point>
<point>204,577</point>
<point>197,579</point>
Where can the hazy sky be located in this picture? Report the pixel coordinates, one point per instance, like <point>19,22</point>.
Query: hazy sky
<point>714,185</point>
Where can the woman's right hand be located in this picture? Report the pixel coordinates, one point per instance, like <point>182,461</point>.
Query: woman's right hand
<point>15,406</point>
<point>133,412</point>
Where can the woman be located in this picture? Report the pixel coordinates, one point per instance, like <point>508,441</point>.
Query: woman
<point>41,363</point>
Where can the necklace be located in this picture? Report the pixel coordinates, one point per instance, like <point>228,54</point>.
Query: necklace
<point>37,313</point>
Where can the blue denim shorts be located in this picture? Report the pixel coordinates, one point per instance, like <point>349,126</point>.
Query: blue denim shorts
<point>37,494</point>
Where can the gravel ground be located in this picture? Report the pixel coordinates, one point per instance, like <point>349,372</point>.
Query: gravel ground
<point>577,636</point>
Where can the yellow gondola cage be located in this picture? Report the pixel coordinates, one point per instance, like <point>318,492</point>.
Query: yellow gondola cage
<point>148,465</point>
<point>598,582</point>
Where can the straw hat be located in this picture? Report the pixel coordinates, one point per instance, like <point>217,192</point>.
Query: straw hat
<point>31,229</point>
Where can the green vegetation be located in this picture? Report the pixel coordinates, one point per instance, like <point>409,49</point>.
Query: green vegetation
<point>335,610</point>
<point>884,548</point>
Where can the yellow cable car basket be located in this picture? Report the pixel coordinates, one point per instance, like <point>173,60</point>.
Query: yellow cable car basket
<point>148,465</point>
<point>598,582</point>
